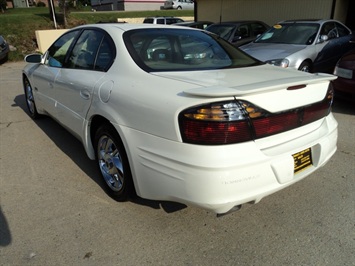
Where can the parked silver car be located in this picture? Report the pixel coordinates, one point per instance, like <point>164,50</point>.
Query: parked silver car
<point>307,45</point>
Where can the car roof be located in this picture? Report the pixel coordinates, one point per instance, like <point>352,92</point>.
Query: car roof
<point>238,21</point>
<point>129,26</point>
<point>192,23</point>
<point>318,21</point>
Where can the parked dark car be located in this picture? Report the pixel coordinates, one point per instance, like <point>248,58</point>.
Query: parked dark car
<point>239,32</point>
<point>344,85</point>
<point>4,49</point>
<point>306,45</point>
<point>195,24</point>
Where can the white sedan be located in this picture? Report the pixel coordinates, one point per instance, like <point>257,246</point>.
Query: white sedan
<point>178,114</point>
<point>179,4</point>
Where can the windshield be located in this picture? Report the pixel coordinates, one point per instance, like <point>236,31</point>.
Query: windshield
<point>290,33</point>
<point>164,49</point>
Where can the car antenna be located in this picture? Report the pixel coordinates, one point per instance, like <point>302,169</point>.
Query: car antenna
<point>220,12</point>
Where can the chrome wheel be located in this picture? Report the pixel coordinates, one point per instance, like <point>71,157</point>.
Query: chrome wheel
<point>110,163</point>
<point>113,164</point>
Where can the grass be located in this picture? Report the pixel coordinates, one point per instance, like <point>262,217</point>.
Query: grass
<point>18,25</point>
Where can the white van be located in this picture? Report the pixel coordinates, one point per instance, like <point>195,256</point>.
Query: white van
<point>179,4</point>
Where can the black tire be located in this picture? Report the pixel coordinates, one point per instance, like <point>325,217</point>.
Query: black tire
<point>306,67</point>
<point>5,59</point>
<point>30,101</point>
<point>113,164</point>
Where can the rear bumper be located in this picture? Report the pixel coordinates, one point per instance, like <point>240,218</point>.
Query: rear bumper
<point>217,178</point>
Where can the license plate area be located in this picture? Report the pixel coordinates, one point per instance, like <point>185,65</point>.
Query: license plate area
<point>302,160</point>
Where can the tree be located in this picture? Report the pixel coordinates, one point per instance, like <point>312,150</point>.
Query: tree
<point>64,6</point>
<point>3,5</point>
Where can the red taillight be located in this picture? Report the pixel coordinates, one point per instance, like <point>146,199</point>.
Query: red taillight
<point>215,124</point>
<point>318,110</point>
<point>315,112</point>
<point>267,126</point>
<point>214,133</point>
<point>239,121</point>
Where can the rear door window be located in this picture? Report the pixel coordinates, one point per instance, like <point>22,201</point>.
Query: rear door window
<point>94,50</point>
<point>342,31</point>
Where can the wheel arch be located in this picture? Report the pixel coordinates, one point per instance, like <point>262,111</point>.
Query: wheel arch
<point>24,76</point>
<point>94,124</point>
<point>91,127</point>
<point>305,61</point>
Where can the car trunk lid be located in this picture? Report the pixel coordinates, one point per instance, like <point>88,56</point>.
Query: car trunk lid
<point>267,86</point>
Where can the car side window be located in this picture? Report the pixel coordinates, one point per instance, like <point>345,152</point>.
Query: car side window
<point>148,20</point>
<point>257,28</point>
<point>58,50</point>
<point>242,31</point>
<point>342,31</point>
<point>94,50</point>
<point>160,21</point>
<point>84,52</point>
<point>105,55</point>
<point>329,30</point>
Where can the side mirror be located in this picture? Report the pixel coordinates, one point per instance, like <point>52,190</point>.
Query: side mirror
<point>237,38</point>
<point>33,58</point>
<point>323,38</point>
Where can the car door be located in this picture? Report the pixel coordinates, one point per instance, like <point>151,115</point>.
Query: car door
<point>90,58</point>
<point>330,50</point>
<point>344,37</point>
<point>46,73</point>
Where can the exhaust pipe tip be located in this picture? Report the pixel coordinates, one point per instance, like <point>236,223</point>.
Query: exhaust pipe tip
<point>235,208</point>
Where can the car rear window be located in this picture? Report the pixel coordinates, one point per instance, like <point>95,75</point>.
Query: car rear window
<point>179,49</point>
